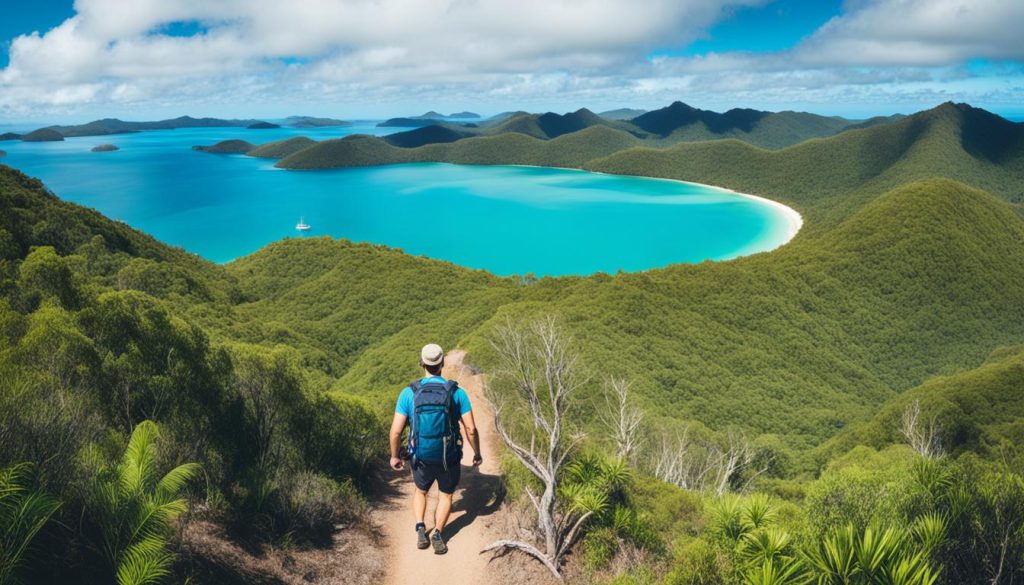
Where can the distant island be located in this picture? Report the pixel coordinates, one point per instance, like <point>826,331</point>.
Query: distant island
<point>109,126</point>
<point>43,135</point>
<point>426,119</point>
<point>313,122</point>
<point>407,122</point>
<point>227,147</point>
<point>105,148</point>
<point>432,115</point>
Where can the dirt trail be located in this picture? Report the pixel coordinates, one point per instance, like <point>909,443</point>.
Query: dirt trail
<point>476,506</point>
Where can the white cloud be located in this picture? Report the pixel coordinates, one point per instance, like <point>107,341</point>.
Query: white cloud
<point>366,54</point>
<point>918,32</point>
<point>886,33</point>
<point>398,43</point>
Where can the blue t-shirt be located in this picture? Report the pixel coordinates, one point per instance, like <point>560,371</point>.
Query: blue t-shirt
<point>459,398</point>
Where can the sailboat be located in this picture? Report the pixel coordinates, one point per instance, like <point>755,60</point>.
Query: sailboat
<point>302,226</point>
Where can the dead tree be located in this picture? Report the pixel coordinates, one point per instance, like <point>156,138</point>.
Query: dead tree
<point>674,461</point>
<point>702,467</point>
<point>923,437</point>
<point>622,418</point>
<point>730,462</point>
<point>541,373</point>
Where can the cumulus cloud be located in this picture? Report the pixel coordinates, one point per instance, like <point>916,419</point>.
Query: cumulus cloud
<point>907,50</point>
<point>918,32</point>
<point>572,51</point>
<point>887,33</point>
<point>114,50</point>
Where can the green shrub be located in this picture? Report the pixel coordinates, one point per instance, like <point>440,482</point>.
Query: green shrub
<point>24,509</point>
<point>315,504</point>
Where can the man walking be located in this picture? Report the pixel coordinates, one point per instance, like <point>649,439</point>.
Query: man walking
<point>433,407</point>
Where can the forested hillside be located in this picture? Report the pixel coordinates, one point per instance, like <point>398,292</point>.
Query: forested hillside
<point>102,332</point>
<point>276,373</point>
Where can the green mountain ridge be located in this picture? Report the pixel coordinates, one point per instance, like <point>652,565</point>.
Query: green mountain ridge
<point>676,125</point>
<point>827,177</point>
<point>860,163</point>
<point>568,150</point>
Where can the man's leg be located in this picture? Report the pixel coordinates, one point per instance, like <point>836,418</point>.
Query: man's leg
<point>444,509</point>
<point>446,484</point>
<point>421,481</point>
<point>419,504</point>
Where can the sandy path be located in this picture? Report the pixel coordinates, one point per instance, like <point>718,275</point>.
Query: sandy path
<point>476,499</point>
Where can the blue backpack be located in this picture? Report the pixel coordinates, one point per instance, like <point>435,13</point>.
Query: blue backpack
<point>434,435</point>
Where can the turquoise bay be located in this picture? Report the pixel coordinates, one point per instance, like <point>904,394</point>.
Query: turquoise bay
<point>508,220</point>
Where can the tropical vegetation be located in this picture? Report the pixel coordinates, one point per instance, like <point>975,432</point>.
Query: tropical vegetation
<point>783,396</point>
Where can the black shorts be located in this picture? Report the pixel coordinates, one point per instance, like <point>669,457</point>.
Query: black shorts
<point>425,474</point>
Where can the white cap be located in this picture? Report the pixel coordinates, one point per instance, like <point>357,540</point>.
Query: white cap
<point>431,354</point>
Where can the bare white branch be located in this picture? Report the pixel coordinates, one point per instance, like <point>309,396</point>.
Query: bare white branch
<point>542,373</point>
<point>925,438</point>
<point>698,467</point>
<point>622,418</point>
<point>526,548</point>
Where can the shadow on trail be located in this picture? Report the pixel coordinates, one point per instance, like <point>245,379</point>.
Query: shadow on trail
<point>479,494</point>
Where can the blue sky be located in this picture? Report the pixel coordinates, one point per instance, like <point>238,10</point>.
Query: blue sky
<point>63,60</point>
<point>774,26</point>
<point>25,17</point>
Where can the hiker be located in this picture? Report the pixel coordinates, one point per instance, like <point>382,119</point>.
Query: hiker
<point>433,407</point>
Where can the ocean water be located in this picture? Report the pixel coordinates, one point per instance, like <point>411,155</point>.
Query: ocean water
<point>505,219</point>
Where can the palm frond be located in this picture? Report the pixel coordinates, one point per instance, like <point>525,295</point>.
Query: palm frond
<point>145,562</point>
<point>139,464</point>
<point>23,513</point>
<point>134,510</point>
<point>172,483</point>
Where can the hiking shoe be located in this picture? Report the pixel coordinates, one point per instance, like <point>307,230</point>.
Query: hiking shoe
<point>421,538</point>
<point>439,546</point>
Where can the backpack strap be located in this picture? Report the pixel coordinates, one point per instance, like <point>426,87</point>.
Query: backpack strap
<point>453,419</point>
<point>411,439</point>
<point>450,386</point>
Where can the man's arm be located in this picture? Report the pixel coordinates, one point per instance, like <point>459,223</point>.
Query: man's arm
<point>397,426</point>
<point>473,436</point>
